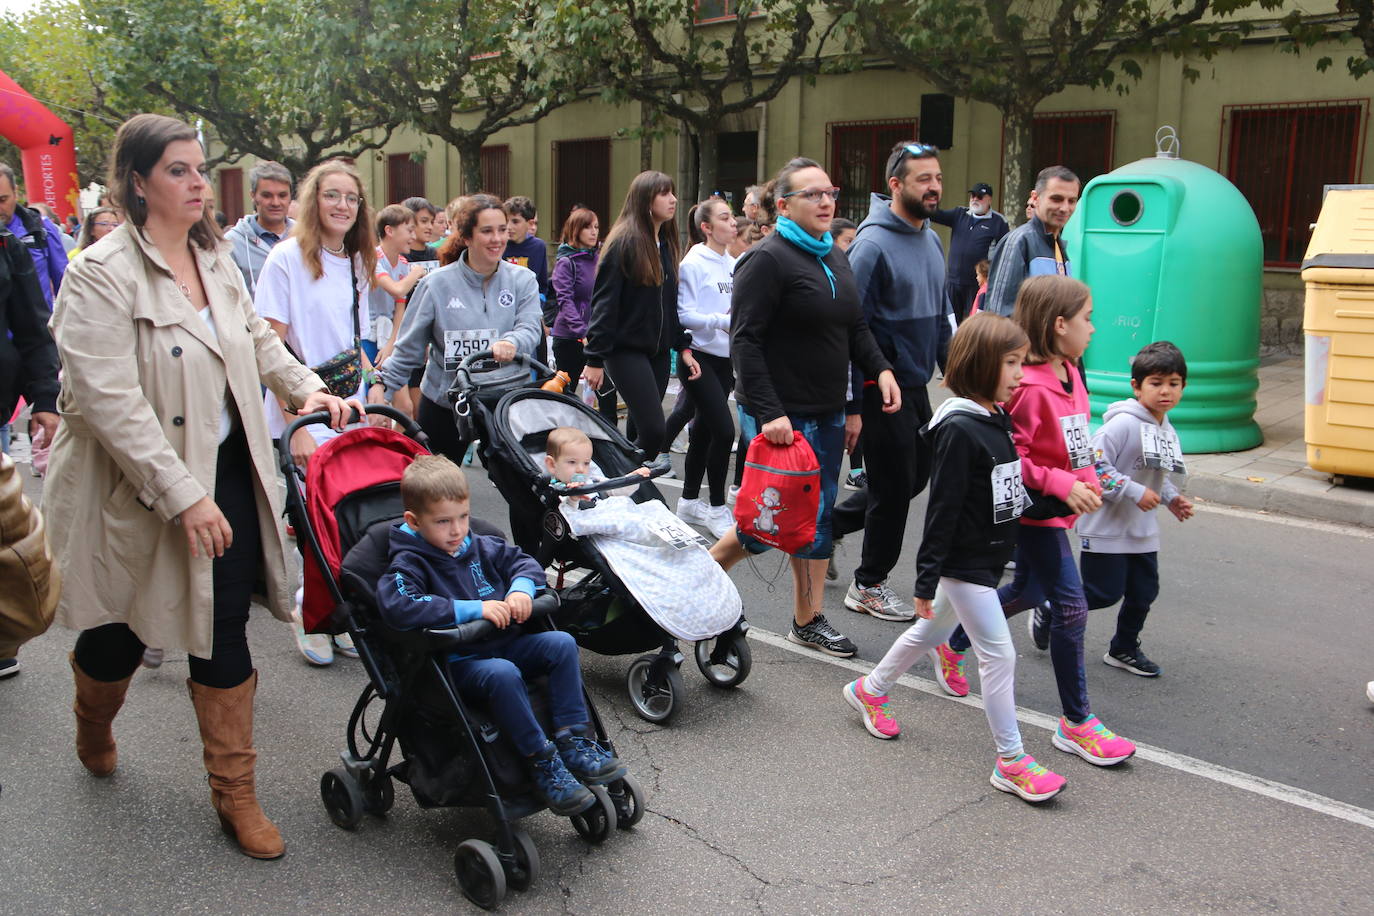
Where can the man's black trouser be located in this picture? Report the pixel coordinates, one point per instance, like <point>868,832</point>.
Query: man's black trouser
<point>897,462</point>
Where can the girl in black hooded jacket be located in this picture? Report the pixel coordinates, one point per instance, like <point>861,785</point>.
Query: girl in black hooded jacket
<point>972,519</point>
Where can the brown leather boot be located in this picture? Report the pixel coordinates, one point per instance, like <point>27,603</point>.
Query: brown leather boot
<point>96,704</point>
<point>226,730</point>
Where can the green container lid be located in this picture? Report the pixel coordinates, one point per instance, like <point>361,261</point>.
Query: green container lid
<point>1172,251</point>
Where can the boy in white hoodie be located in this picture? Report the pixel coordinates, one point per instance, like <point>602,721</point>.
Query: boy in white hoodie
<point>1137,454</point>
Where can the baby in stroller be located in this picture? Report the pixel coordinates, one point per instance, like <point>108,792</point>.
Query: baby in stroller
<point>569,461</point>
<point>439,574</point>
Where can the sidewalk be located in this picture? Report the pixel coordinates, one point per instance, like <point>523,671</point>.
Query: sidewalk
<point>1275,477</point>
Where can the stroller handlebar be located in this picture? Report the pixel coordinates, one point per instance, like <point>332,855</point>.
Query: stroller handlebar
<point>545,603</point>
<point>408,426</point>
<point>472,364</point>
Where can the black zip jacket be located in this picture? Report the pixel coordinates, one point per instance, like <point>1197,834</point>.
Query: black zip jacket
<point>626,316</point>
<point>791,339</point>
<point>28,356</point>
<point>962,538</point>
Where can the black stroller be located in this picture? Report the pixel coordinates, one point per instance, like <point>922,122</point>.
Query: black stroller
<point>596,607</point>
<point>452,753</point>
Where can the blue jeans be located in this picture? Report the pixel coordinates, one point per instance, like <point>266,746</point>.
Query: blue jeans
<point>825,435</point>
<point>1045,569</point>
<point>496,676</point>
<point>5,438</point>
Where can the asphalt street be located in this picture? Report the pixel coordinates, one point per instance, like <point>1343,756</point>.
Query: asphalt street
<point>772,798</point>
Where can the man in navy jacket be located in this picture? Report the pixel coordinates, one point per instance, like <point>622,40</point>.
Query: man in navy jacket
<point>974,229</point>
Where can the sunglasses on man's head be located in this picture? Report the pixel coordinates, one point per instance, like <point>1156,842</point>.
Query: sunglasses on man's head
<point>913,151</point>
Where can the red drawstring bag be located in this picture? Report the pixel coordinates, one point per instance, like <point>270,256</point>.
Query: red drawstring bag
<point>780,494</point>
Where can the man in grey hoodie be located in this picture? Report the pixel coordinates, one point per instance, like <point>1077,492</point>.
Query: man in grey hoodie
<point>899,266</point>
<point>253,236</point>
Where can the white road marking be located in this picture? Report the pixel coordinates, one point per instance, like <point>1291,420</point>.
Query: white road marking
<point>1311,524</point>
<point>1234,778</point>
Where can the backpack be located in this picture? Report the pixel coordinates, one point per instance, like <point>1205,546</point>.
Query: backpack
<point>29,580</point>
<point>780,494</point>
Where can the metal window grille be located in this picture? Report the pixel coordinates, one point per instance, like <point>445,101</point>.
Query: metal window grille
<point>231,194</point>
<point>495,171</point>
<point>1280,156</point>
<point>405,178</point>
<point>1081,140</point>
<point>582,177</point>
<point>858,160</point>
<point>710,10</point>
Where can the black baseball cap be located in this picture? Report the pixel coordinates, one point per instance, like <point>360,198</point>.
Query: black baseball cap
<point>980,189</point>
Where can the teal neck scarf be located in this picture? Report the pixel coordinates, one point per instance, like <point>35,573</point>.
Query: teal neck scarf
<point>820,247</point>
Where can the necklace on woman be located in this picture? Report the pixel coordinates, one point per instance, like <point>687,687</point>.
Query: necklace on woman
<point>339,250</point>
<point>185,290</point>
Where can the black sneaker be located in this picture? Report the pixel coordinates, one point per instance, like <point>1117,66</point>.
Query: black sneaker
<point>1039,625</point>
<point>9,667</point>
<point>821,636</point>
<point>1134,661</point>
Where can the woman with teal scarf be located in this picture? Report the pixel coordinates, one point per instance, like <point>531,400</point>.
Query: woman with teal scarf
<point>797,325</point>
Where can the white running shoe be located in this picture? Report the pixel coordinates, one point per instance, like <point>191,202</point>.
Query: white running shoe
<point>317,648</point>
<point>731,494</point>
<point>720,520</point>
<point>692,511</point>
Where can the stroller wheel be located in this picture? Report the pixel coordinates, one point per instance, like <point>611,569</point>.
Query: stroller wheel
<point>655,687</point>
<point>597,822</point>
<point>629,802</point>
<point>525,870</point>
<point>342,797</point>
<point>379,794</point>
<point>479,873</point>
<point>725,660</point>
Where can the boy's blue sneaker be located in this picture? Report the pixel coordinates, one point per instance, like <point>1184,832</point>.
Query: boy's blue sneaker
<point>564,795</point>
<point>588,760</point>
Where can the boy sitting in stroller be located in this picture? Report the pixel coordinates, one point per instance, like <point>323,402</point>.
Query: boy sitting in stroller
<point>440,574</point>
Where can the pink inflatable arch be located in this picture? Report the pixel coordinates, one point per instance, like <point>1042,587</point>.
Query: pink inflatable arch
<point>46,143</point>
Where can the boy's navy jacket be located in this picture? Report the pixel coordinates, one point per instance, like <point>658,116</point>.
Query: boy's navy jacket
<point>962,540</point>
<point>426,587</point>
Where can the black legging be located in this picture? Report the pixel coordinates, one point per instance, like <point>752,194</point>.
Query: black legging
<point>112,652</point>
<point>438,423</point>
<point>567,352</point>
<point>642,380</point>
<point>684,411</point>
<point>713,437</point>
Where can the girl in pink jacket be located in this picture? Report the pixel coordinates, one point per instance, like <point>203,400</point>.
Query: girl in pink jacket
<point>1049,416</point>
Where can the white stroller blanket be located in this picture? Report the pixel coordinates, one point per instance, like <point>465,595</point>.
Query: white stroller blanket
<point>663,563</point>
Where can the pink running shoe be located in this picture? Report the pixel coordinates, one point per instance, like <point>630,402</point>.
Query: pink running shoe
<point>1092,741</point>
<point>1026,778</point>
<point>877,720</point>
<point>949,670</point>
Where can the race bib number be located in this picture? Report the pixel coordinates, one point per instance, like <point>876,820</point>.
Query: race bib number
<point>1009,497</point>
<point>1160,449</point>
<point>1077,442</point>
<point>679,535</point>
<point>459,345</point>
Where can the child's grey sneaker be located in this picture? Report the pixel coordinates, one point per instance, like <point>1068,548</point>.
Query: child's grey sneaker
<point>879,601</point>
<point>821,636</point>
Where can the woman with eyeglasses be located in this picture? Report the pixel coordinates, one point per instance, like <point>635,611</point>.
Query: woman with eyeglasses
<point>313,291</point>
<point>634,324</point>
<point>162,502</point>
<point>797,323</point>
<point>99,223</point>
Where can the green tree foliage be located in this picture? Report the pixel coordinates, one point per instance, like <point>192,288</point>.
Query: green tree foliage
<point>1015,55</point>
<point>1349,19</point>
<point>262,75</point>
<point>50,51</point>
<point>697,72</point>
<point>461,71</point>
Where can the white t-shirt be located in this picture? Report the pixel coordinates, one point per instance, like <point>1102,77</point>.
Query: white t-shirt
<point>382,305</point>
<point>316,313</point>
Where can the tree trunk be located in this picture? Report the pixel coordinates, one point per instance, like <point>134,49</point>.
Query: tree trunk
<point>708,159</point>
<point>1017,180</point>
<point>470,161</point>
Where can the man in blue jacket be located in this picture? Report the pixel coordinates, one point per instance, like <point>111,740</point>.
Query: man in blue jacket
<point>899,266</point>
<point>37,232</point>
<point>973,230</point>
<point>1035,247</point>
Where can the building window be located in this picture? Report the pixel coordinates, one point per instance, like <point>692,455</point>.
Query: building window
<point>496,171</point>
<point>1280,156</point>
<point>1080,140</point>
<point>231,194</point>
<point>405,178</point>
<point>858,160</point>
<point>713,10</point>
<point>582,178</point>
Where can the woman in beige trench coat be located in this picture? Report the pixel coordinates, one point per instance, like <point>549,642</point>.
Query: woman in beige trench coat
<point>161,495</point>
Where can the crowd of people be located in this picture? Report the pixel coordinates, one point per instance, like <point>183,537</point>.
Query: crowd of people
<point>185,350</point>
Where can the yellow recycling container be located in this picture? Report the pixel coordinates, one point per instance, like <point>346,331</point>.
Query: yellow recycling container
<point>1338,324</point>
